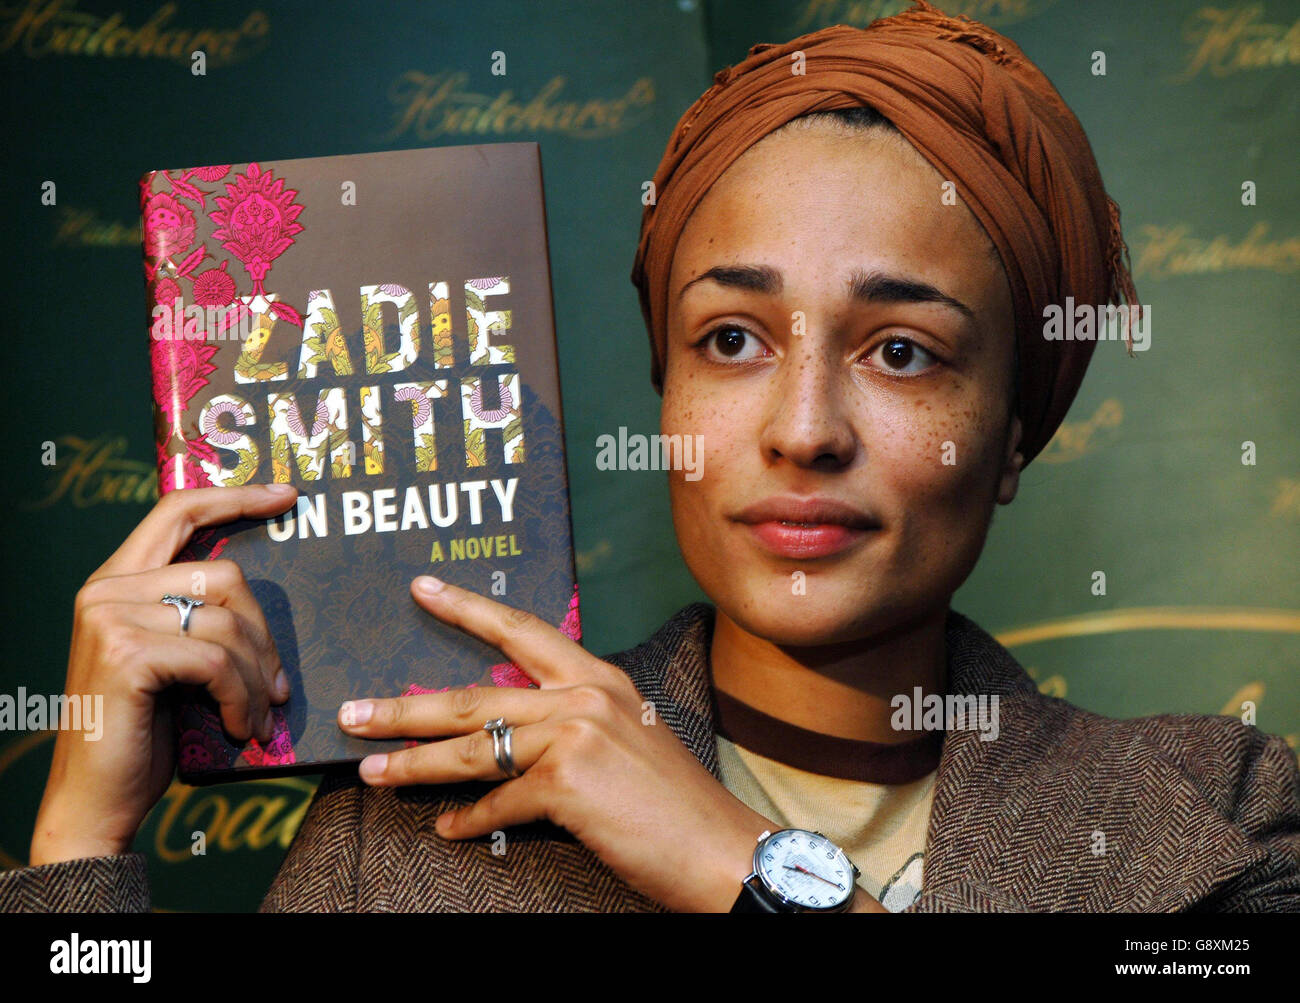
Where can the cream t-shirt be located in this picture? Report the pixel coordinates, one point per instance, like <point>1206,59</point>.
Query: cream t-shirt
<point>881,827</point>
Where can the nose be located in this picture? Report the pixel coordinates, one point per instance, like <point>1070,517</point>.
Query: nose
<point>807,418</point>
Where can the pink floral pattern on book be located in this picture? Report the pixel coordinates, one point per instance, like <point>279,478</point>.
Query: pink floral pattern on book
<point>168,226</point>
<point>255,221</point>
<point>181,368</point>
<point>214,287</point>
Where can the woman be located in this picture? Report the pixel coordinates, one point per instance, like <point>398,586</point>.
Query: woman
<point>848,309</point>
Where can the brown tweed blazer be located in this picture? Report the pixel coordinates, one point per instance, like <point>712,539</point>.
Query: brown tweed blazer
<point>1198,813</point>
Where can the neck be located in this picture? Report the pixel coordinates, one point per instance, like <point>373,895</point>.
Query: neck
<point>841,689</point>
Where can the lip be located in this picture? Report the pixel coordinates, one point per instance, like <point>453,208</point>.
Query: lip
<point>827,526</point>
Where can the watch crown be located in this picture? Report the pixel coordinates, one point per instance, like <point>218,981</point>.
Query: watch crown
<point>763,835</point>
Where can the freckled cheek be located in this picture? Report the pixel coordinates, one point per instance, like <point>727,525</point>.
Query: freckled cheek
<point>724,430</point>
<point>934,464</point>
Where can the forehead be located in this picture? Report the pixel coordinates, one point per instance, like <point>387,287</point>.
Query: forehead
<point>818,199</point>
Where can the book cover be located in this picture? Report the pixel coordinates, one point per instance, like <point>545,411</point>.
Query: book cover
<point>376,329</point>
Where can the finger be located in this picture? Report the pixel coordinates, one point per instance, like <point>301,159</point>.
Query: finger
<point>220,646</point>
<point>466,709</point>
<point>222,626</point>
<point>194,662</point>
<point>167,528</point>
<point>517,802</point>
<point>466,757</point>
<point>530,642</point>
<point>218,584</point>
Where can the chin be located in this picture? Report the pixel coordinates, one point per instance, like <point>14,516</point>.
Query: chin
<point>829,613</point>
<point>801,632</point>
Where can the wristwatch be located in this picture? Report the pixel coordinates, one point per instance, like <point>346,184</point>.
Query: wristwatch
<point>796,870</point>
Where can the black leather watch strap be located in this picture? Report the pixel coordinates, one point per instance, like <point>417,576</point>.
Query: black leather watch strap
<point>754,899</point>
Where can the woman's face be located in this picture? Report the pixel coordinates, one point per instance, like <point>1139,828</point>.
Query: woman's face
<point>854,343</point>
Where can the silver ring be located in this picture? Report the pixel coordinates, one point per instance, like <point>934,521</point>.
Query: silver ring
<point>185,605</point>
<point>507,760</point>
<point>501,750</point>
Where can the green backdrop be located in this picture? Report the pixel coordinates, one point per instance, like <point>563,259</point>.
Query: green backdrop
<point>1145,482</point>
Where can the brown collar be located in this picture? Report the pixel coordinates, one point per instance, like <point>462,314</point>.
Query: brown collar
<point>829,755</point>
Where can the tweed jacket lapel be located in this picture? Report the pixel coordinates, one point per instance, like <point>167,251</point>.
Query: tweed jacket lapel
<point>1068,810</point>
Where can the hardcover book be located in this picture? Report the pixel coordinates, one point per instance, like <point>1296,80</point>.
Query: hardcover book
<point>377,330</point>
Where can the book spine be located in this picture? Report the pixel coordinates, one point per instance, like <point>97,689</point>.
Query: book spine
<point>182,356</point>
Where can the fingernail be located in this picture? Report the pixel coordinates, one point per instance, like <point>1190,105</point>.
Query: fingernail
<point>355,712</point>
<point>281,489</point>
<point>428,585</point>
<point>372,767</point>
<point>281,683</point>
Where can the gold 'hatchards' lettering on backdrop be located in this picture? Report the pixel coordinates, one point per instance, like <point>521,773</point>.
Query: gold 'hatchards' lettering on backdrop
<point>41,28</point>
<point>82,227</point>
<point>1163,251</point>
<point>257,815</point>
<point>1226,40</point>
<point>428,105</point>
<point>95,472</point>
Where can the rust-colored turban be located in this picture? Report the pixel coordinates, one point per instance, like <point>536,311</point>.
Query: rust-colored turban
<point>981,113</point>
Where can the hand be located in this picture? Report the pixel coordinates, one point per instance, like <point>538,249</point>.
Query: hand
<point>594,760</point>
<point>127,647</point>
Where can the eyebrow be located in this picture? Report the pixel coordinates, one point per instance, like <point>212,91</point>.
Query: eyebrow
<point>863,286</point>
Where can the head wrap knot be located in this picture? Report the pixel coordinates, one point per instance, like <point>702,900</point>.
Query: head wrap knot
<point>982,114</point>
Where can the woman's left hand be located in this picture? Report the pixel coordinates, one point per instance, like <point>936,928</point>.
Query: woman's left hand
<point>595,758</point>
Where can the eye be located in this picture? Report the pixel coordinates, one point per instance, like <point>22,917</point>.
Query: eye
<point>730,344</point>
<point>903,356</point>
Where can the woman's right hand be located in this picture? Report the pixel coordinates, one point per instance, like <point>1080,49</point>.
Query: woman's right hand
<point>127,647</point>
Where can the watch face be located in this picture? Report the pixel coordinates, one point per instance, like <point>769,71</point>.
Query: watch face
<point>805,869</point>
